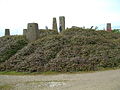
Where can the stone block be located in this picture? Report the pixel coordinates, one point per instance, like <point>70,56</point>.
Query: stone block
<point>54,26</point>
<point>109,27</point>
<point>7,32</point>
<point>24,32</point>
<point>32,32</point>
<point>61,23</point>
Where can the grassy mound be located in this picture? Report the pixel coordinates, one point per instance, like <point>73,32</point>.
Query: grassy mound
<point>75,49</point>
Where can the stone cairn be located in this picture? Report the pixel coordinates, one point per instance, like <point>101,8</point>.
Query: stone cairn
<point>54,26</point>
<point>32,31</point>
<point>7,32</point>
<point>109,27</point>
<point>61,23</point>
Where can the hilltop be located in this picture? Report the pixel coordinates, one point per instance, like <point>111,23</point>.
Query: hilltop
<point>74,49</point>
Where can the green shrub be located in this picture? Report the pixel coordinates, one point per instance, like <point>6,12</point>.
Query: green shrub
<point>72,50</point>
<point>10,45</point>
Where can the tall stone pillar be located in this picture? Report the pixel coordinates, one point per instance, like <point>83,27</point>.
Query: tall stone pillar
<point>32,32</point>
<point>24,32</point>
<point>54,26</point>
<point>61,23</point>
<point>7,32</point>
<point>109,27</point>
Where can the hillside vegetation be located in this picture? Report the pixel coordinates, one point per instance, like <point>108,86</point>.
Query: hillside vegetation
<point>72,50</point>
<point>9,45</point>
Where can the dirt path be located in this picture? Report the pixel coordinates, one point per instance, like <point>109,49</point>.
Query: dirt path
<point>105,80</point>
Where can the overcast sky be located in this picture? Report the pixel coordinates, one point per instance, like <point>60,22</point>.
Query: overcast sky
<point>15,14</point>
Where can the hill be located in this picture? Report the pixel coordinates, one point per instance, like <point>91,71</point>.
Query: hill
<point>74,49</point>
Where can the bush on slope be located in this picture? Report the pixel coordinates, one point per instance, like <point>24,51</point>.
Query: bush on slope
<point>9,45</point>
<point>74,49</point>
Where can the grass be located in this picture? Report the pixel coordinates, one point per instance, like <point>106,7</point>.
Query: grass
<point>14,73</point>
<point>6,87</point>
<point>29,73</point>
<point>52,73</point>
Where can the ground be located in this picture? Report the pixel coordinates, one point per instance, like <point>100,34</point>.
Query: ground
<point>103,80</point>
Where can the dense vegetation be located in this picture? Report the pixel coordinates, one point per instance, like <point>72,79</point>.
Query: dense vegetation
<point>9,45</point>
<point>74,49</point>
<point>116,30</point>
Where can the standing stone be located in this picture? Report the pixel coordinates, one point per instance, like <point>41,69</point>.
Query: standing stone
<point>54,26</point>
<point>109,27</point>
<point>7,32</point>
<point>24,32</point>
<point>32,32</point>
<point>61,23</point>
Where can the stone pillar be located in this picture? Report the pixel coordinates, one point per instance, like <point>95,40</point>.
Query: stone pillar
<point>54,26</point>
<point>61,23</point>
<point>109,27</point>
<point>32,32</point>
<point>7,32</point>
<point>24,32</point>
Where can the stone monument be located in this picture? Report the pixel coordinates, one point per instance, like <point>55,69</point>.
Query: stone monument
<point>61,23</point>
<point>109,27</point>
<point>7,32</point>
<point>24,32</point>
<point>54,26</point>
<point>32,32</point>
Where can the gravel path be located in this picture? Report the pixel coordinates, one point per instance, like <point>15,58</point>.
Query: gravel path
<point>105,80</point>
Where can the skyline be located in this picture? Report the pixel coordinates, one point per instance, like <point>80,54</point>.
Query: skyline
<point>15,14</point>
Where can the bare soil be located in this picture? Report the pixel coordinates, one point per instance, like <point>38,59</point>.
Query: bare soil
<point>103,80</point>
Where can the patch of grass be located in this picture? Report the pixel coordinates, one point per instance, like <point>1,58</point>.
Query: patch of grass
<point>28,73</point>
<point>14,73</point>
<point>54,73</point>
<point>6,87</point>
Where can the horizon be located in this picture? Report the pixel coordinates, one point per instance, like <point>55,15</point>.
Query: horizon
<point>16,14</point>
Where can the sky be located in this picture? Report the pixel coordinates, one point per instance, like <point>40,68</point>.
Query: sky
<point>16,14</point>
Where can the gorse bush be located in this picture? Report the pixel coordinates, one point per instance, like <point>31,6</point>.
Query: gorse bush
<point>9,45</point>
<point>72,50</point>
<point>116,30</point>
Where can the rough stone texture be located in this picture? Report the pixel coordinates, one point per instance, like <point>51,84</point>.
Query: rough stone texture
<point>54,27</point>
<point>109,27</point>
<point>32,32</point>
<point>61,23</point>
<point>24,32</point>
<point>7,32</point>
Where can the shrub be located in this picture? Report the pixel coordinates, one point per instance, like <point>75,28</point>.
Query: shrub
<point>72,50</point>
<point>10,45</point>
